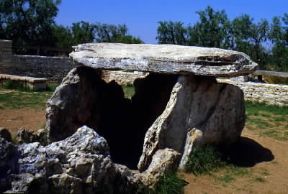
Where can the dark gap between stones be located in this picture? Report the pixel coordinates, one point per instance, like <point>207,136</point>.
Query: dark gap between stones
<point>123,122</point>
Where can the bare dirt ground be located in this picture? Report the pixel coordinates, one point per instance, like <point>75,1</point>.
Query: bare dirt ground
<point>265,169</point>
<point>26,118</point>
<point>263,160</point>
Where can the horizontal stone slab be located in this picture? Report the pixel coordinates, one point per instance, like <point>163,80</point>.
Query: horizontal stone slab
<point>171,59</point>
<point>22,78</point>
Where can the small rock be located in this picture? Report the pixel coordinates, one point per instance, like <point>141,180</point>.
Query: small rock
<point>5,134</point>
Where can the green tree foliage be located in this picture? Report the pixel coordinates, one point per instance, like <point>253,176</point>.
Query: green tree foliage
<point>114,33</point>
<point>82,32</point>
<point>212,30</point>
<point>250,37</point>
<point>279,38</point>
<point>28,22</point>
<point>171,33</point>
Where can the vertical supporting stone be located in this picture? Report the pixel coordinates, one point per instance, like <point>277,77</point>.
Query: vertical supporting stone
<point>216,109</point>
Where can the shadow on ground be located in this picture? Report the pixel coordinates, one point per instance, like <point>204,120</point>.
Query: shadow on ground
<point>247,153</point>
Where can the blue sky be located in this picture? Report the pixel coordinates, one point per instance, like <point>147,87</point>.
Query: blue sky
<point>142,16</point>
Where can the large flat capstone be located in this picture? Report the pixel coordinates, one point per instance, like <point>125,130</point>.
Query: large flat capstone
<point>170,59</point>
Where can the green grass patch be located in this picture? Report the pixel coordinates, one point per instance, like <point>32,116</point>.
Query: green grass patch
<point>209,160</point>
<point>20,99</point>
<point>267,120</point>
<point>128,90</point>
<point>254,108</point>
<point>23,97</point>
<point>15,85</point>
<point>204,160</point>
<point>230,173</point>
<point>170,183</point>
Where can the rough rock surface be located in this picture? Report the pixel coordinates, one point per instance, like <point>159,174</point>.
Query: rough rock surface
<point>164,59</point>
<point>85,99</point>
<point>82,159</point>
<point>163,161</point>
<point>216,109</point>
<point>8,163</point>
<point>28,136</point>
<point>79,164</point>
<point>5,134</point>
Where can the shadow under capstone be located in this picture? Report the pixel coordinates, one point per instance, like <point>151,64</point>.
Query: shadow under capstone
<point>102,106</point>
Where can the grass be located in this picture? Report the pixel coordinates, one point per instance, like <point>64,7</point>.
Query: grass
<point>14,96</point>
<point>267,120</point>
<point>204,160</point>
<point>170,183</point>
<point>230,172</point>
<point>128,90</point>
<point>210,161</point>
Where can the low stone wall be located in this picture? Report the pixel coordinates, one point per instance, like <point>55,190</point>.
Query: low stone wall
<point>121,77</point>
<point>273,94</point>
<point>6,57</point>
<point>53,68</point>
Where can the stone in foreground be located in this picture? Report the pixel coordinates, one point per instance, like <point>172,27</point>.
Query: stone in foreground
<point>169,59</point>
<point>79,164</point>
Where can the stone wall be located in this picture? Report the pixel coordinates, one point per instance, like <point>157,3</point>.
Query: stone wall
<point>121,77</point>
<point>6,57</point>
<point>274,94</point>
<point>53,68</point>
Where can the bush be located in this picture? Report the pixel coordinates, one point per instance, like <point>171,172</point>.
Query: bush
<point>204,160</point>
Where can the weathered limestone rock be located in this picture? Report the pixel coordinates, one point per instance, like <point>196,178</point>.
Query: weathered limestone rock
<point>122,77</point>
<point>27,136</point>
<point>163,59</point>
<point>78,164</point>
<point>217,110</point>
<point>78,160</point>
<point>85,99</point>
<point>163,161</point>
<point>193,137</point>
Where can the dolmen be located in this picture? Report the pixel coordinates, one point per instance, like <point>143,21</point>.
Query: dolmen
<point>99,141</point>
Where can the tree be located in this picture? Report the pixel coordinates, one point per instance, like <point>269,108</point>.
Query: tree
<point>212,30</point>
<point>250,37</point>
<point>28,22</point>
<point>82,32</point>
<point>63,38</point>
<point>171,33</point>
<point>279,38</point>
<point>114,33</point>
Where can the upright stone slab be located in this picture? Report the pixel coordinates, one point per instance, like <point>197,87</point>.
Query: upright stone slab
<point>213,110</point>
